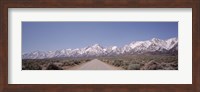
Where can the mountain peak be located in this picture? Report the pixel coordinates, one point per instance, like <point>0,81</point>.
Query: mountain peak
<point>174,38</point>
<point>135,47</point>
<point>113,47</point>
<point>155,39</point>
<point>96,45</point>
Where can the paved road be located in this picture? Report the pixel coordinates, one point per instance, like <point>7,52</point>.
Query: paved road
<point>95,64</point>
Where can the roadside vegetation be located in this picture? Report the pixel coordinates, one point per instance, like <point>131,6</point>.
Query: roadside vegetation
<point>127,62</point>
<point>144,62</point>
<point>51,64</point>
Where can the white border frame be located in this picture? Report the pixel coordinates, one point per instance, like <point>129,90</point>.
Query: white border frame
<point>181,76</point>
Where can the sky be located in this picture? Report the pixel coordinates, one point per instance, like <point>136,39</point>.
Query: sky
<point>51,36</point>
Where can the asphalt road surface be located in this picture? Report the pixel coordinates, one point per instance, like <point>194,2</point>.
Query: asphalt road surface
<point>95,64</point>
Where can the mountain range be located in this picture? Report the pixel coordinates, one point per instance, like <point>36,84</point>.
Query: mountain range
<point>152,46</point>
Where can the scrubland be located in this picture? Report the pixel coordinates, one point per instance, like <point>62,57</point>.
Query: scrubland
<point>143,62</point>
<point>51,64</point>
<point>128,62</point>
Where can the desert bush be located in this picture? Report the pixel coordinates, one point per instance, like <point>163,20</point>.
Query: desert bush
<point>76,62</point>
<point>67,63</point>
<point>134,67</point>
<point>151,65</point>
<point>87,60</point>
<point>118,63</point>
<point>174,64</point>
<point>125,67</point>
<point>54,67</point>
<point>31,66</point>
<point>38,64</point>
<point>146,62</point>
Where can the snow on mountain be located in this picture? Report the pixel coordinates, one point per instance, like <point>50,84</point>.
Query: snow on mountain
<point>172,42</point>
<point>35,55</point>
<point>111,49</point>
<point>152,45</point>
<point>96,50</point>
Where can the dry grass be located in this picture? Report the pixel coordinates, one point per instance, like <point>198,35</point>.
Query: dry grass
<point>144,62</point>
<point>51,64</point>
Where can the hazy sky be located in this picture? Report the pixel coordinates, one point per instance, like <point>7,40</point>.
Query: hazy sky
<point>46,36</point>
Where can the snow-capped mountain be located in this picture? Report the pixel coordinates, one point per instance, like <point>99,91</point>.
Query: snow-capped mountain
<point>136,47</point>
<point>151,45</point>
<point>96,49</point>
